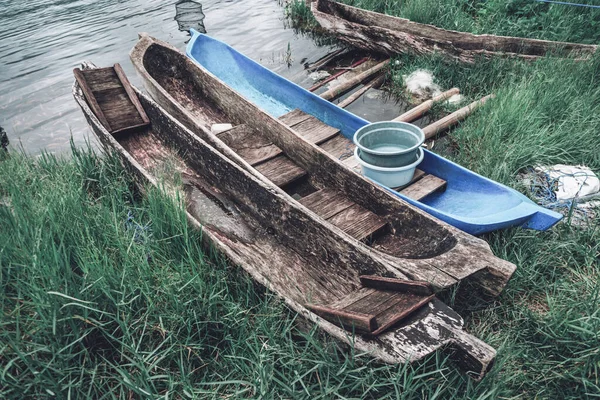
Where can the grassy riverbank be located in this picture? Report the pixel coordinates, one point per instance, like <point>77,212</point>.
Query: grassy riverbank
<point>108,294</point>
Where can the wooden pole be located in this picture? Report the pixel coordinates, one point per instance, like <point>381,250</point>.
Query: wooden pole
<point>339,90</point>
<point>454,118</point>
<point>324,60</point>
<point>422,108</point>
<point>334,76</point>
<point>355,96</point>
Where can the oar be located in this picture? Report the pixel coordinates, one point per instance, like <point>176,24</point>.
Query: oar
<point>422,108</point>
<point>454,118</point>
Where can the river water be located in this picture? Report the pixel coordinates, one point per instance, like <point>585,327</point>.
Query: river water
<point>41,41</point>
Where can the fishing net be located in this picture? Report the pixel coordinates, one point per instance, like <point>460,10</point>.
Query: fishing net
<point>188,15</point>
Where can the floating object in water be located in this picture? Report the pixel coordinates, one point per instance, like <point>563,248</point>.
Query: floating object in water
<point>272,237</point>
<point>189,15</point>
<point>470,202</point>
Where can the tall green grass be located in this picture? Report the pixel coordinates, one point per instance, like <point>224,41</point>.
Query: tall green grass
<point>106,294</point>
<point>109,295</point>
<point>525,18</point>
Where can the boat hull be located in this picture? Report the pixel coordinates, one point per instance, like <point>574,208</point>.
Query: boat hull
<point>470,202</point>
<point>421,247</point>
<point>233,219</point>
<point>393,35</point>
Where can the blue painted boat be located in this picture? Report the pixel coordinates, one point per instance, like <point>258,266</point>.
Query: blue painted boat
<point>470,202</point>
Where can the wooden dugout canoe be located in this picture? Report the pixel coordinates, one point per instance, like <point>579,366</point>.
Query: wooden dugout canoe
<point>259,228</point>
<point>391,231</point>
<point>393,35</point>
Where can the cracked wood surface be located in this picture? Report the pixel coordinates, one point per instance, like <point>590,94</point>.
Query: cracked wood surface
<point>419,246</point>
<point>233,208</point>
<point>392,35</point>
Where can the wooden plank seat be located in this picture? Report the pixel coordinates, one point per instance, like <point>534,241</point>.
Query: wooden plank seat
<point>262,154</point>
<point>378,305</point>
<point>266,157</point>
<point>281,170</point>
<point>423,187</point>
<point>338,146</point>
<point>342,212</point>
<point>112,99</point>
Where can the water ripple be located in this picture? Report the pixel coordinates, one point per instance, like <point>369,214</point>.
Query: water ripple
<point>41,41</point>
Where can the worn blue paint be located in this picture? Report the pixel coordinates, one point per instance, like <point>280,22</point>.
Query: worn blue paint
<point>471,202</point>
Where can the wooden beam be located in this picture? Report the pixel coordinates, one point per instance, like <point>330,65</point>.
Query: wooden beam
<point>418,111</point>
<point>363,323</point>
<point>91,99</point>
<point>383,283</point>
<point>454,118</point>
<point>321,62</point>
<point>337,75</point>
<point>376,82</point>
<point>424,187</point>
<point>339,90</point>
<point>132,96</point>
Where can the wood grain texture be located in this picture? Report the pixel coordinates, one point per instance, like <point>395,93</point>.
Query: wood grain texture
<point>132,96</point>
<point>433,251</point>
<point>374,83</point>
<point>398,307</point>
<point>349,320</point>
<point>450,120</point>
<point>418,111</point>
<point>112,99</point>
<point>281,170</point>
<point>424,187</point>
<point>294,117</point>
<point>358,222</point>
<point>253,147</point>
<point>314,131</point>
<point>231,227</point>
<point>391,35</point>
<point>339,147</point>
<point>326,202</point>
<point>89,95</point>
<point>346,86</point>
<point>383,283</point>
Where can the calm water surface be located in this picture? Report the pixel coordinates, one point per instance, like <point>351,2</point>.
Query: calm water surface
<point>41,41</point>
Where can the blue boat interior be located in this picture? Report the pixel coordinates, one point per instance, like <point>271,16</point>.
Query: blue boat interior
<point>470,202</point>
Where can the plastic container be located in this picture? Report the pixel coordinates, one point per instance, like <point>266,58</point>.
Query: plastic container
<point>390,177</point>
<point>389,143</point>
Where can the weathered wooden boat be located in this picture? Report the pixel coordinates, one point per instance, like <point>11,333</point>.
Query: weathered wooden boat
<point>390,230</point>
<point>452,193</point>
<point>284,246</point>
<point>392,35</point>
